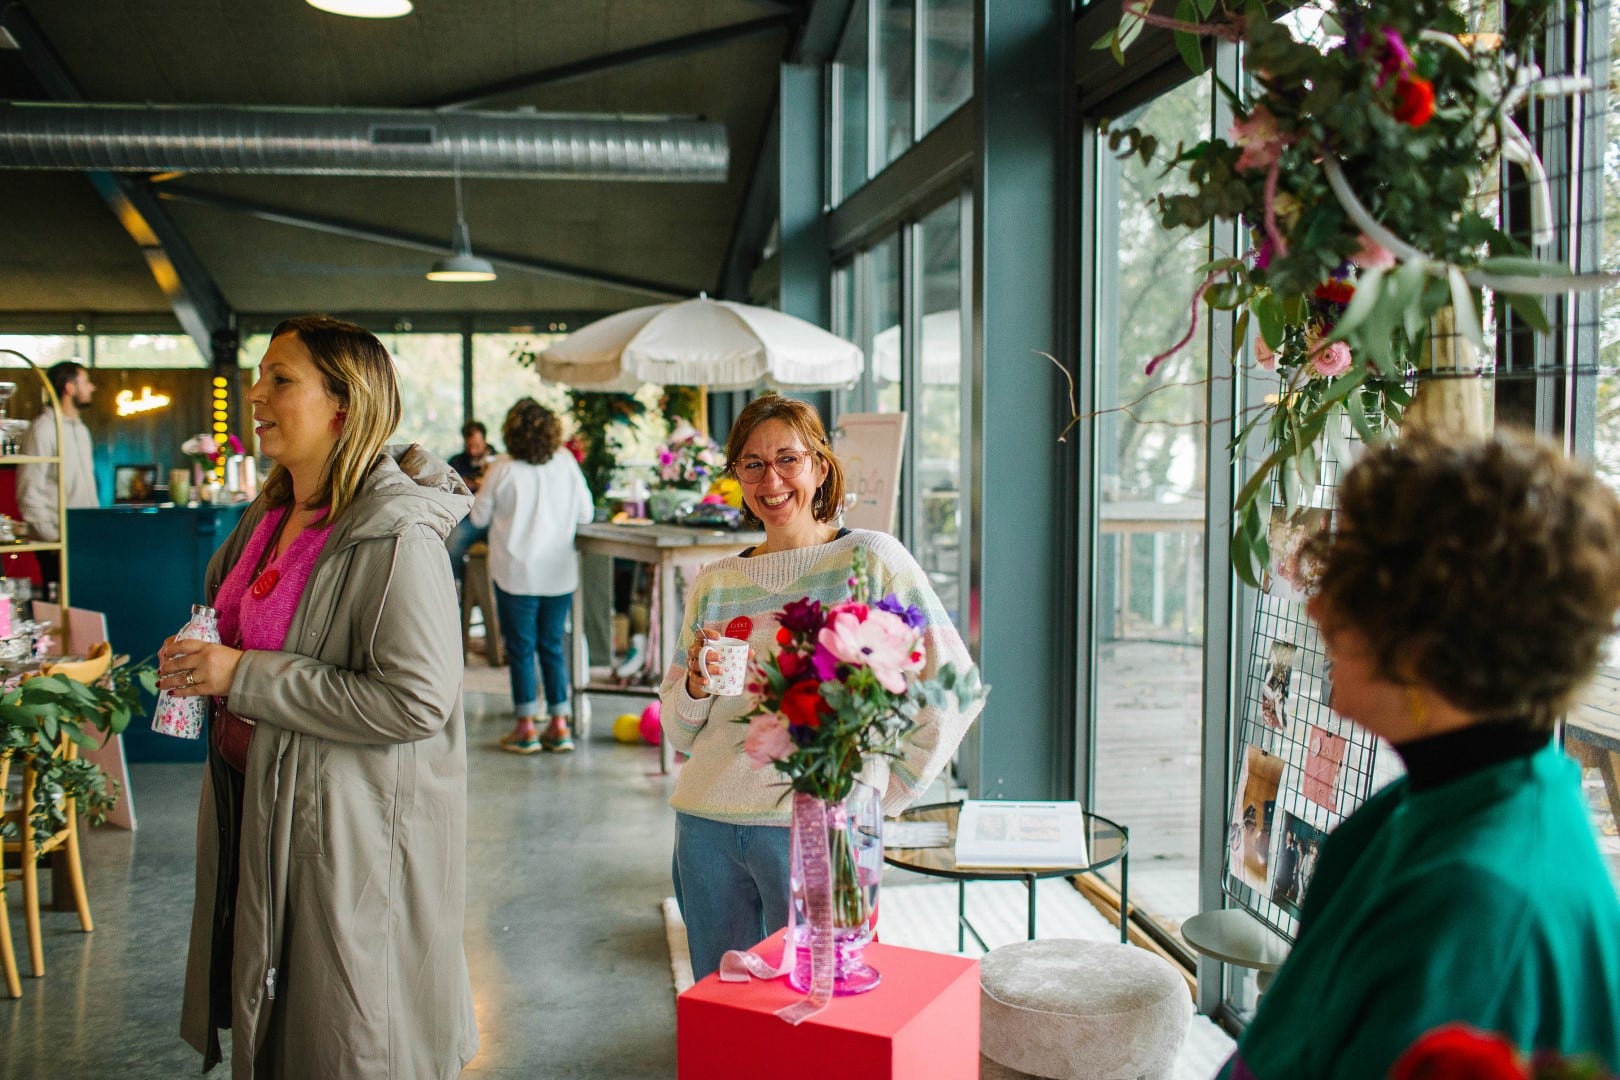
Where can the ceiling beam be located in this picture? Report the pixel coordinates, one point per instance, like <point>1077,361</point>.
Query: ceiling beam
<point>354,230</point>
<point>595,65</point>
<point>197,302</point>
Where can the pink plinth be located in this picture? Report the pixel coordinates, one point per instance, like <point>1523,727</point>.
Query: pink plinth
<point>921,1023</point>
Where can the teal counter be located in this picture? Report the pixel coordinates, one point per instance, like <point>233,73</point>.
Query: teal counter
<point>144,566</point>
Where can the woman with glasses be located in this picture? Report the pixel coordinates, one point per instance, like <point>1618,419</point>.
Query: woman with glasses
<point>731,822</point>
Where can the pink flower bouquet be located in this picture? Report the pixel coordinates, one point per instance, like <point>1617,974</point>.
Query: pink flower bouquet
<point>845,684</point>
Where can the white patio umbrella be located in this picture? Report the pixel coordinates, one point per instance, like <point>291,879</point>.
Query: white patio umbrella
<point>714,343</point>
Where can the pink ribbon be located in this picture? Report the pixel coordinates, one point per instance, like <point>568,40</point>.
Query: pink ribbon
<point>810,824</point>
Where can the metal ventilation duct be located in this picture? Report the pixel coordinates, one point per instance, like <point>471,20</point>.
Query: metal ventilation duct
<point>351,142</point>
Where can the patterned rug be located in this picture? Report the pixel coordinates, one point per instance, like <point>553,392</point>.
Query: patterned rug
<point>924,917</point>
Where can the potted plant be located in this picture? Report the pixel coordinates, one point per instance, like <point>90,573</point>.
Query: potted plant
<point>34,716</point>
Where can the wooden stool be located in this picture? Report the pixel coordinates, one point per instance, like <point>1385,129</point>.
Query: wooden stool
<point>478,590</point>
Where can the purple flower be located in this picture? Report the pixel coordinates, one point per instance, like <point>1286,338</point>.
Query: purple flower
<point>802,615</point>
<point>825,663</point>
<point>1263,254</point>
<point>912,614</point>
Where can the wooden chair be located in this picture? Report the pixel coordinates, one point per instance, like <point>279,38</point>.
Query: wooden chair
<point>8,957</point>
<point>65,839</point>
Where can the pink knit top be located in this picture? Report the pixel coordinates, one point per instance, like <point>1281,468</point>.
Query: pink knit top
<point>256,610</point>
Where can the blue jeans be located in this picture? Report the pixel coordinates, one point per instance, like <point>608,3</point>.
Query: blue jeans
<point>535,625</point>
<point>462,537</point>
<point>731,882</point>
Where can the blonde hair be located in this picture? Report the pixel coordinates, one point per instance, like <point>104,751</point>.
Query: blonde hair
<point>806,422</point>
<point>359,373</point>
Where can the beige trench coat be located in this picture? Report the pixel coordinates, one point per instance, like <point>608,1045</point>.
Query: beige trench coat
<point>348,958</point>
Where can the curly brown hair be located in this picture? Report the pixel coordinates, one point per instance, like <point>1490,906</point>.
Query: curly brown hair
<point>806,422</point>
<point>1488,571</point>
<point>531,432</point>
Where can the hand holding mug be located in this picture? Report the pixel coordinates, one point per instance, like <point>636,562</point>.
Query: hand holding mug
<point>716,665</point>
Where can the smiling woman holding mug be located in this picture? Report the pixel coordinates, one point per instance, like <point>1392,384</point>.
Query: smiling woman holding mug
<point>731,826</point>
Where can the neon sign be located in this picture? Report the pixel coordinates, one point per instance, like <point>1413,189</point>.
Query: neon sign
<point>129,404</point>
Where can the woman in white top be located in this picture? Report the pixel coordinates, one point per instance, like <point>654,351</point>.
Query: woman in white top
<point>532,501</point>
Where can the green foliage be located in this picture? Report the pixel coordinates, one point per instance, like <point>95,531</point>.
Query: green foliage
<point>34,716</point>
<point>593,413</point>
<point>1413,123</point>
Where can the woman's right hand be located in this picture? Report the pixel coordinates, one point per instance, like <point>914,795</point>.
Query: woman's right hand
<point>697,675</point>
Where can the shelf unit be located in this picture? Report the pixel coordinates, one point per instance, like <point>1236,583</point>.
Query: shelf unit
<point>8,358</point>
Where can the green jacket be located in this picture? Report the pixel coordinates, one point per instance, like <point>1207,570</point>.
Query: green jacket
<point>348,947</point>
<point>1484,901</point>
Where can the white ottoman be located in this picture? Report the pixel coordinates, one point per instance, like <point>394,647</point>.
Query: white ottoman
<point>1080,1010</point>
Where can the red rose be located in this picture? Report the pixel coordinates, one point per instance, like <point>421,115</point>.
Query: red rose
<point>803,706</point>
<point>1335,291</point>
<point>792,664</point>
<point>1414,100</point>
<point>783,635</point>
<point>1460,1052</point>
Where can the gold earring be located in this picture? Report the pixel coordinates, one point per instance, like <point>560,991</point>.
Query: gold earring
<point>1417,708</point>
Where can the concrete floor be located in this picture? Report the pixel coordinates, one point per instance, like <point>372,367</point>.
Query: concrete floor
<point>568,861</point>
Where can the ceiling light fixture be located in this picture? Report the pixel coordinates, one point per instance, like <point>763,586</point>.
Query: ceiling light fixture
<point>364,9</point>
<point>463,265</point>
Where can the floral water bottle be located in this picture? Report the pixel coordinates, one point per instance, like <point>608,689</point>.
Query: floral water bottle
<point>183,717</point>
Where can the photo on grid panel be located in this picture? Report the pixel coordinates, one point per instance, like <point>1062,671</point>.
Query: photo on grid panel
<point>1249,831</point>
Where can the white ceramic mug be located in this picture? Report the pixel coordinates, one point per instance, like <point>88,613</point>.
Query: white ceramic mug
<point>733,656</point>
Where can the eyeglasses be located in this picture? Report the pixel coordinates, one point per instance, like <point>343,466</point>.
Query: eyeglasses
<point>787,466</point>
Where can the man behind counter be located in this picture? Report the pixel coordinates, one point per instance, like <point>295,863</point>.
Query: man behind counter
<point>36,484</point>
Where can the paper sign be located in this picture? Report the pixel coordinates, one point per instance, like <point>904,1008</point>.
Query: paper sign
<point>870,446</point>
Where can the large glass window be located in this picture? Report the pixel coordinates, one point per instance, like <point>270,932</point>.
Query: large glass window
<point>148,351</point>
<point>1600,773</point>
<point>896,79</point>
<point>883,300</point>
<point>1150,453</point>
<point>47,349</point>
<point>428,367</point>
<point>850,87</point>
<point>946,29</point>
<point>499,380</point>
<point>938,515</point>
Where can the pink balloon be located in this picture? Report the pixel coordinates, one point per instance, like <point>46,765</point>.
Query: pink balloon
<point>652,731</point>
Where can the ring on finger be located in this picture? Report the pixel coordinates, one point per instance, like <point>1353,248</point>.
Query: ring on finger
<point>191,678</point>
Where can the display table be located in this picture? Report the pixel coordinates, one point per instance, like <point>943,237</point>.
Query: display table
<point>143,566</point>
<point>676,553</point>
<point>921,1023</point>
<point>1106,843</point>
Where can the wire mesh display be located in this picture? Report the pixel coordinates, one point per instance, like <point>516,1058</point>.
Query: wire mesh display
<point>1299,769</point>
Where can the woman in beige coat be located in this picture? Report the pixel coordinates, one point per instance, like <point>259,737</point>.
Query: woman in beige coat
<point>327,926</point>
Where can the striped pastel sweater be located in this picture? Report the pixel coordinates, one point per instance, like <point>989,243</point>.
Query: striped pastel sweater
<point>735,593</point>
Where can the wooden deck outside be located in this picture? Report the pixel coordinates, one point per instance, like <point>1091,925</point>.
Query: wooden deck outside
<point>1149,712</point>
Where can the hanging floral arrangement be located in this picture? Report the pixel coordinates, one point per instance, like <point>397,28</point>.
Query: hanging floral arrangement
<point>1357,166</point>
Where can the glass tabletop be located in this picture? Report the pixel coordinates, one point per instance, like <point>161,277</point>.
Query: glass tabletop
<point>1106,843</point>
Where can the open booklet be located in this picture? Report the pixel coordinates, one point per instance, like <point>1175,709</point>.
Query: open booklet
<point>1034,835</point>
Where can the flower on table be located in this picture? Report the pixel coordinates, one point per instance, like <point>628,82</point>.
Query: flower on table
<point>207,451</point>
<point>689,458</point>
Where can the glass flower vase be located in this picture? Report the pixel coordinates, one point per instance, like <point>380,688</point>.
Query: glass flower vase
<point>843,892</point>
